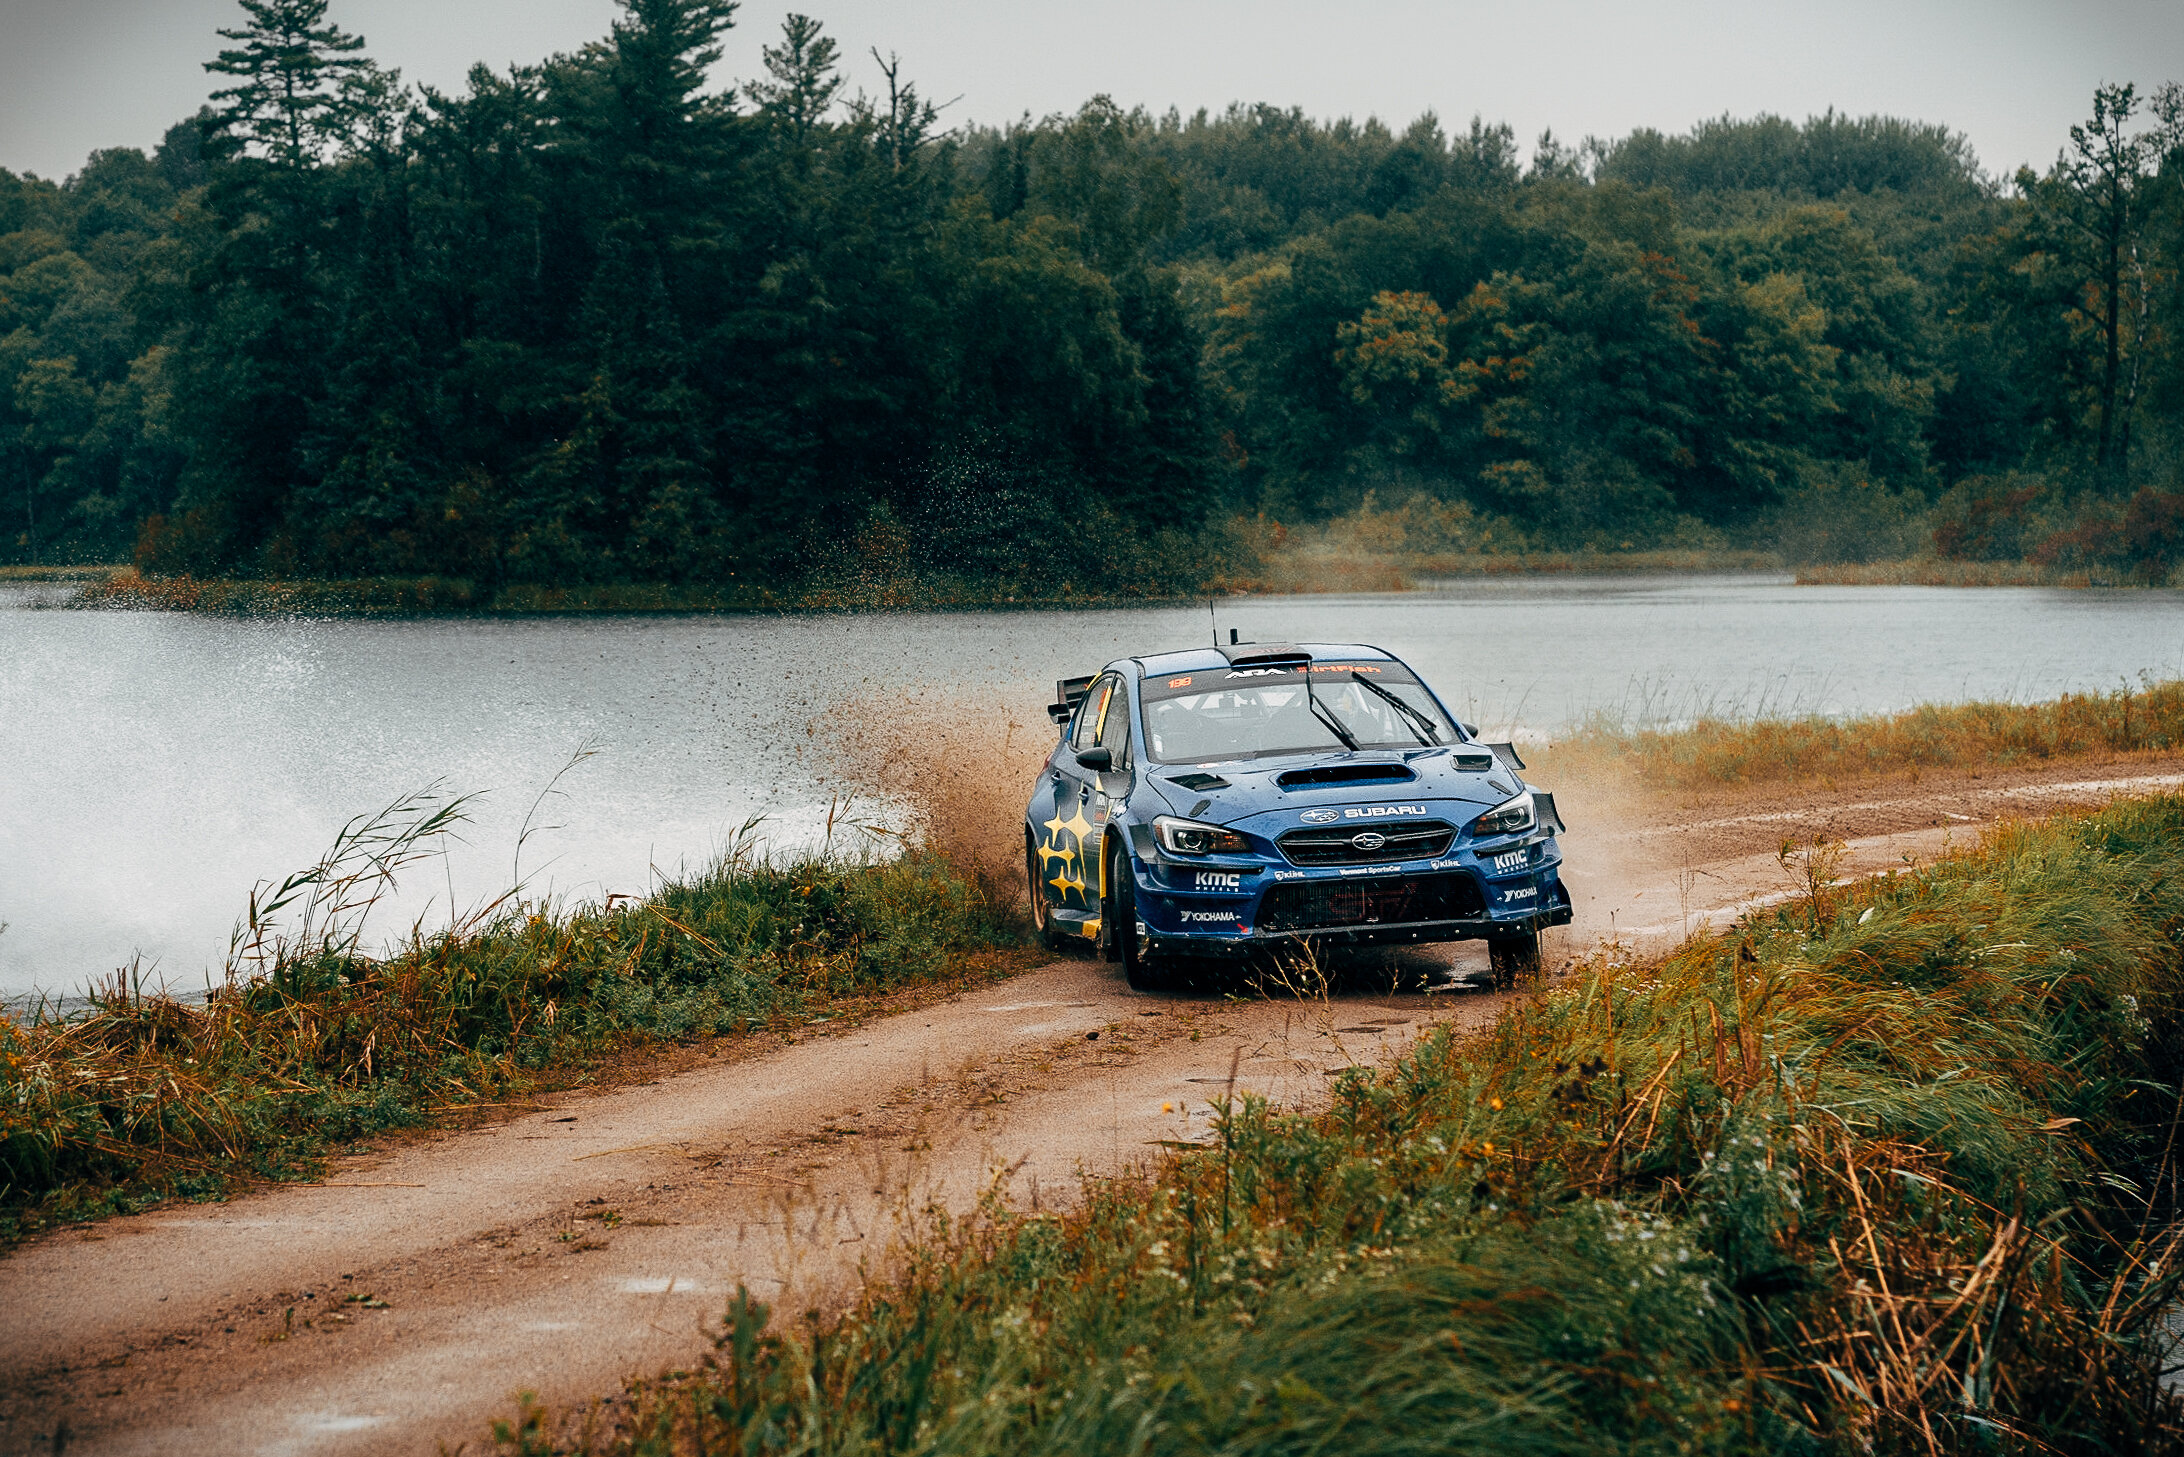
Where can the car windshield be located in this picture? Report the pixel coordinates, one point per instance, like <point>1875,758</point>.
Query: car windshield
<point>1248,713</point>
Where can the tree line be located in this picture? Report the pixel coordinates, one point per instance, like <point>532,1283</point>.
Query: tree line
<point>592,320</point>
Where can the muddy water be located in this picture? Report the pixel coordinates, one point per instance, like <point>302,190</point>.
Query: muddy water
<point>153,766</point>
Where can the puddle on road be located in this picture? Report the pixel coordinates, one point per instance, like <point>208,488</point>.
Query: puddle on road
<point>663,1285</point>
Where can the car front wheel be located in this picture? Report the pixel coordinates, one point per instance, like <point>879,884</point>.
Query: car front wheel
<point>1512,957</point>
<point>1119,926</point>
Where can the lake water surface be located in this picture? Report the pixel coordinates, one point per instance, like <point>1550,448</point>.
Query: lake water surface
<point>153,766</point>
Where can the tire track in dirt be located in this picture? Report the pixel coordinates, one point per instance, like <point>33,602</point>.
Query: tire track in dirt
<point>403,1301</point>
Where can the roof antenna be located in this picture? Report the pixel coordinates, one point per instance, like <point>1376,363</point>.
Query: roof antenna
<point>1213,623</point>
<point>1232,637</point>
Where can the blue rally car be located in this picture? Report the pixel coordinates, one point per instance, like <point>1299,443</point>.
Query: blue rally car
<point>1220,801</point>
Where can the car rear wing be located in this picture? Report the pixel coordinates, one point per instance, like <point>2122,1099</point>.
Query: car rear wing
<point>1068,693</point>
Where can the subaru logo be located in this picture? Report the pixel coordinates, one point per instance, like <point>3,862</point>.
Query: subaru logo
<point>1369,840</point>
<point>1319,817</point>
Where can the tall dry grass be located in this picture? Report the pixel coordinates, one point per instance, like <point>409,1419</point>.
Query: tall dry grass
<point>1890,1169</point>
<point>310,1042</point>
<point>1715,753</point>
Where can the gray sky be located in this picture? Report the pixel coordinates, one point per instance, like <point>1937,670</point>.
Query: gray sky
<point>2013,74</point>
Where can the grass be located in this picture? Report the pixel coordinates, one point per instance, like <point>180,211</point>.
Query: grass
<point>456,596</point>
<point>1715,753</point>
<point>1935,572</point>
<point>311,1043</point>
<point>58,574</point>
<point>1891,1169</point>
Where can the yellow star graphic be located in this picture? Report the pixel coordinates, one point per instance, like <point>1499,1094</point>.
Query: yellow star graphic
<point>1055,826</point>
<point>1077,824</point>
<point>1052,850</point>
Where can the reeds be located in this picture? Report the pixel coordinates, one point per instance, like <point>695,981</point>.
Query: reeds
<point>1716,752</point>
<point>310,1043</point>
<point>1891,1169</point>
<point>1940,572</point>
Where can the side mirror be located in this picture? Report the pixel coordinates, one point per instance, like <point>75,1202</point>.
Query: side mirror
<point>1099,759</point>
<point>1471,730</point>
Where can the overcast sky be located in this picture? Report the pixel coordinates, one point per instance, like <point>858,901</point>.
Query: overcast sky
<point>2013,74</point>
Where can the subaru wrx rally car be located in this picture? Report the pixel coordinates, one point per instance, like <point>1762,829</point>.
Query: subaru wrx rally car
<point>1220,801</point>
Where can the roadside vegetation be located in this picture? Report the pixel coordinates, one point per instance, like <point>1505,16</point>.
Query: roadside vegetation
<point>1891,1168</point>
<point>310,1043</point>
<point>1722,753</point>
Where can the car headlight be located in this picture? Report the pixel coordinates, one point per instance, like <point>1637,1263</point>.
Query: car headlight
<point>1189,837</point>
<point>1510,817</point>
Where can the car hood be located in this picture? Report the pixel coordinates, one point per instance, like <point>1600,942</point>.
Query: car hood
<point>1226,793</point>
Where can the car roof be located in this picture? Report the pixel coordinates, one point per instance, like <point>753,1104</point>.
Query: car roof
<point>1200,660</point>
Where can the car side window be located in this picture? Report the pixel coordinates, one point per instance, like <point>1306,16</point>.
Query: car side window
<point>1115,733</point>
<point>1092,713</point>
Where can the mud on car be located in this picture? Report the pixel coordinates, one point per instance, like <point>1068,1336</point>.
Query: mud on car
<point>1226,801</point>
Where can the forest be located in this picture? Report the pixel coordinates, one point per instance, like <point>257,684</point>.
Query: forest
<point>599,320</point>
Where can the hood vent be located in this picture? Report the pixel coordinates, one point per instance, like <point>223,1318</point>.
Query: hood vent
<point>1198,781</point>
<point>1265,655</point>
<point>1475,763</point>
<point>1325,774</point>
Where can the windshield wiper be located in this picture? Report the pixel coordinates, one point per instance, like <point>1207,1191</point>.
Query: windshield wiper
<point>1421,727</point>
<point>1326,715</point>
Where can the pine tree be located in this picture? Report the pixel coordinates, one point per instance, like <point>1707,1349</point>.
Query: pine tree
<point>301,84</point>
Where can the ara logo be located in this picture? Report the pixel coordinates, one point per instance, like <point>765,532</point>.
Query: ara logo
<point>1216,880</point>
<point>1382,811</point>
<point>1319,816</point>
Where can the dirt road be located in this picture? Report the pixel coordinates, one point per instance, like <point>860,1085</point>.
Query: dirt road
<point>402,1302</point>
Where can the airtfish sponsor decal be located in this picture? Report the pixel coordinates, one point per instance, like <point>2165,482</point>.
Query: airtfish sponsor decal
<point>1369,669</point>
<point>1216,880</point>
<point>1514,860</point>
<point>1382,811</point>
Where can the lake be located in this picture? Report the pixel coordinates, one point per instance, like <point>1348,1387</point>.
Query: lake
<point>154,766</point>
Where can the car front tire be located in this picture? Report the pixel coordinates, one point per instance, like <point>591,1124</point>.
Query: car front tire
<point>1118,926</point>
<point>1512,957</point>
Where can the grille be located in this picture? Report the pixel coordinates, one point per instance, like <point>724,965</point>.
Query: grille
<point>1326,907</point>
<point>1402,840</point>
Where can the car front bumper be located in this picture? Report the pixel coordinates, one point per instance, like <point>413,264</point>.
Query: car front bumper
<point>1183,909</point>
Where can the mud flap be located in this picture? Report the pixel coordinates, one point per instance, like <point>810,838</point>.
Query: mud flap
<point>1556,911</point>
